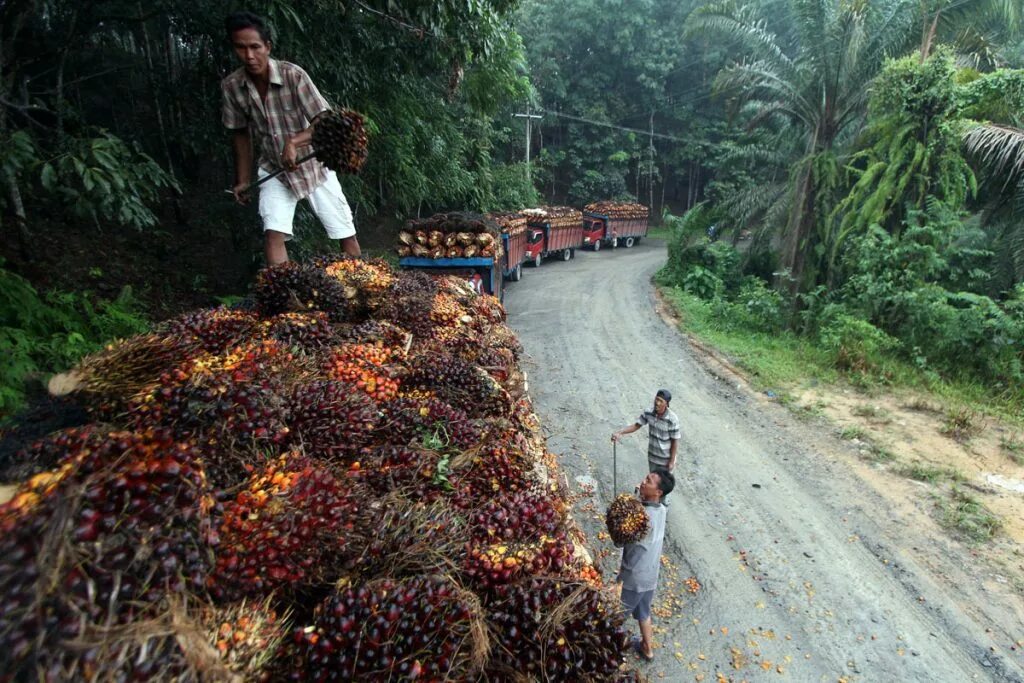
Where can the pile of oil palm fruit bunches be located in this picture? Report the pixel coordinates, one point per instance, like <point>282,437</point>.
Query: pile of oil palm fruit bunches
<point>618,209</point>
<point>342,480</point>
<point>554,216</point>
<point>450,235</point>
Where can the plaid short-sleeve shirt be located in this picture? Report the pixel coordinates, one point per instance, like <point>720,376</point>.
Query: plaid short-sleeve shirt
<point>291,105</point>
<point>663,431</point>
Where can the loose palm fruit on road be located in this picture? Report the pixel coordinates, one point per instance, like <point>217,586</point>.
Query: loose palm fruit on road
<point>626,519</point>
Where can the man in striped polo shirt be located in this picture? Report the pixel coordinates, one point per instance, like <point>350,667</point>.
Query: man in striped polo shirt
<point>663,429</point>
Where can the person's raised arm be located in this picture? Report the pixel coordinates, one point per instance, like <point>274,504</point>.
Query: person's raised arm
<point>672,454</point>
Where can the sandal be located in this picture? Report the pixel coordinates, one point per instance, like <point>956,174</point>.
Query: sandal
<point>638,647</point>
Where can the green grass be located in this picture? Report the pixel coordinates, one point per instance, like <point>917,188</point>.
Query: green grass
<point>782,361</point>
<point>659,233</point>
<point>853,432</point>
<point>931,474</point>
<point>880,454</point>
<point>963,514</point>
<point>872,413</point>
<point>1013,446</point>
<point>774,359</point>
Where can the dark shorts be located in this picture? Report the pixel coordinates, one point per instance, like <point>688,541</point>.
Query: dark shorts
<point>636,604</point>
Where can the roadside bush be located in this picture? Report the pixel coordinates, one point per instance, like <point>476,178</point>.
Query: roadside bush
<point>963,334</point>
<point>856,345</point>
<point>763,307</point>
<point>703,283</point>
<point>682,231</point>
<point>48,333</point>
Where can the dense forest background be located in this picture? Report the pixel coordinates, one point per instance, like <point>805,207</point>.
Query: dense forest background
<point>848,172</point>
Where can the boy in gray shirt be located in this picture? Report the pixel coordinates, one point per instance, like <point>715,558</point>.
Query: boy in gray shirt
<point>642,560</point>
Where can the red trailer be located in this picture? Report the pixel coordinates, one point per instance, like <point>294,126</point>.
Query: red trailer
<point>614,223</point>
<point>513,241</point>
<point>553,230</point>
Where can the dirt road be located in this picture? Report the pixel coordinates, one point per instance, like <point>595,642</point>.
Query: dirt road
<point>806,573</point>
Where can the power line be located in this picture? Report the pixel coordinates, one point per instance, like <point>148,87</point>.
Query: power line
<point>580,119</point>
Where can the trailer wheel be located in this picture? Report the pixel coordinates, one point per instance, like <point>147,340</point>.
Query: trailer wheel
<point>517,273</point>
<point>597,245</point>
<point>629,242</point>
<point>615,243</point>
<point>536,261</point>
<point>566,254</point>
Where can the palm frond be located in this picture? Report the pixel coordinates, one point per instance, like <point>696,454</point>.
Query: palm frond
<point>739,21</point>
<point>999,148</point>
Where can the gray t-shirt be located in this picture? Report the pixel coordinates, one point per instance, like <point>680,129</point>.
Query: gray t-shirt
<point>641,561</point>
<point>663,431</point>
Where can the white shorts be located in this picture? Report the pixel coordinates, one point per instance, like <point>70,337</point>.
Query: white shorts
<point>277,207</point>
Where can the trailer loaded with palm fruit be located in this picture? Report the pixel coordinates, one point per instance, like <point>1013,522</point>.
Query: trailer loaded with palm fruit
<point>345,481</point>
<point>614,223</point>
<point>553,230</point>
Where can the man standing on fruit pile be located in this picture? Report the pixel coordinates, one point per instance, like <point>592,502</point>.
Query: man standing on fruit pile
<point>664,434</point>
<point>277,103</point>
<point>642,560</point>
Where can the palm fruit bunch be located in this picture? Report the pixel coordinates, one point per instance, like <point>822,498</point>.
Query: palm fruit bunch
<point>554,630</point>
<point>366,367</point>
<point>307,331</point>
<point>618,209</point>
<point>410,303</point>
<point>409,419</point>
<point>378,333</point>
<point>122,523</point>
<point>331,421</point>
<point>420,628</point>
<point>459,383</point>
<point>411,537</point>
<point>236,396</point>
<point>520,516</point>
<point>295,287</point>
<point>498,468</point>
<point>124,368</point>
<point>285,528</point>
<point>245,636</point>
<point>214,330</point>
<point>498,564</point>
<point>402,468</point>
<point>366,283</point>
<point>626,519</point>
<point>340,141</point>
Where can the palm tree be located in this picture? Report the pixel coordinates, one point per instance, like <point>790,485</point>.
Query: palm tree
<point>816,82</point>
<point>953,20</point>
<point>999,149</point>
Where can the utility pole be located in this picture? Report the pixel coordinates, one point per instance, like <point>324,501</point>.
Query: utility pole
<point>650,169</point>
<point>529,121</point>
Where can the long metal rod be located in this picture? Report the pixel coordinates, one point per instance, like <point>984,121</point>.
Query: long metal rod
<point>615,469</point>
<point>256,183</point>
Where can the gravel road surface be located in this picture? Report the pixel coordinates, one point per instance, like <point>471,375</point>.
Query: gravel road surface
<point>805,574</point>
